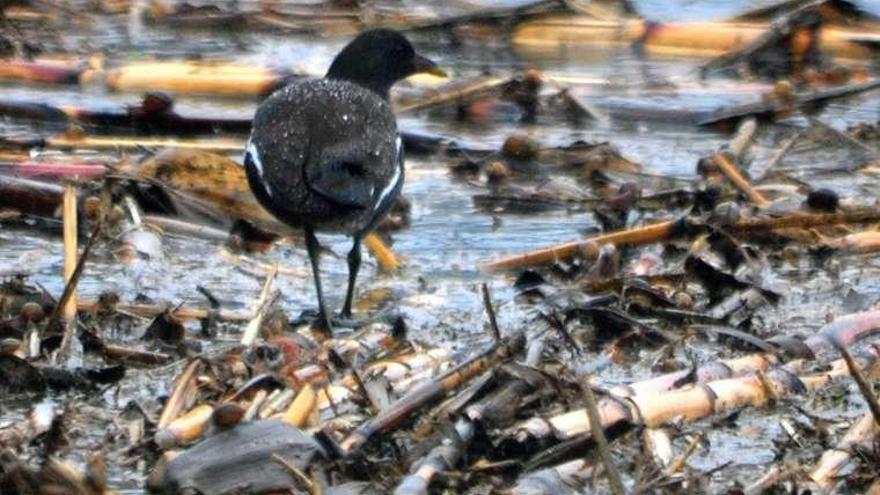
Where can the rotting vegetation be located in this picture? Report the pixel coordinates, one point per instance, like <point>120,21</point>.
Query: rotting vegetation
<point>698,316</point>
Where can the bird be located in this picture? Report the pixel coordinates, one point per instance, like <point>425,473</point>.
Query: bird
<point>325,154</point>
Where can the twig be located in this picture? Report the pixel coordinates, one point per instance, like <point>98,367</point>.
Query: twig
<point>859,378</point>
<point>430,392</point>
<point>745,134</point>
<point>490,310</point>
<point>182,227</point>
<point>68,207</point>
<point>262,304</point>
<point>681,460</point>
<point>640,235</point>
<point>737,146</point>
<point>294,471</point>
<point>452,94</point>
<point>781,152</point>
<point>114,143</point>
<point>827,471</point>
<point>844,138</point>
<point>659,231</point>
<point>557,324</point>
<point>773,477</point>
<point>145,310</point>
<point>69,289</point>
<point>769,108</point>
<point>358,379</point>
<point>729,170</point>
<point>598,436</point>
<point>176,402</point>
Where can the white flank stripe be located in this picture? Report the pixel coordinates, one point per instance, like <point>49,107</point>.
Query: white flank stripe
<point>392,184</point>
<point>251,150</point>
<point>255,156</point>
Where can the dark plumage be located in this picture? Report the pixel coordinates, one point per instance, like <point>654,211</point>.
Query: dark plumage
<point>325,154</point>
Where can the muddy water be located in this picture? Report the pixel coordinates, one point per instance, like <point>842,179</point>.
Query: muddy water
<point>449,237</point>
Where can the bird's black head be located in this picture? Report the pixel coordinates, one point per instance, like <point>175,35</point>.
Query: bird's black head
<point>379,58</point>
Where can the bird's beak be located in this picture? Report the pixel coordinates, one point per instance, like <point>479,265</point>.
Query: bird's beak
<point>424,66</point>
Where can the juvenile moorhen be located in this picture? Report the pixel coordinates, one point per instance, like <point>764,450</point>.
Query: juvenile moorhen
<point>325,154</point>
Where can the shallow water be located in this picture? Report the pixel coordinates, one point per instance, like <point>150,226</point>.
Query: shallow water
<point>449,238</point>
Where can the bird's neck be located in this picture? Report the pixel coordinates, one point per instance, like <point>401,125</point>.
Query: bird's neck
<point>373,82</point>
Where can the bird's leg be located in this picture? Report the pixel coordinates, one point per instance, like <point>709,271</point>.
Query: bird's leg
<point>354,264</point>
<point>314,250</point>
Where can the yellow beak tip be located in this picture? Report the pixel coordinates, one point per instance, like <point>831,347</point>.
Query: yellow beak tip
<point>436,71</point>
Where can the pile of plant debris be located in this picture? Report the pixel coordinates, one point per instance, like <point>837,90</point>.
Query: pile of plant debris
<point>695,312</point>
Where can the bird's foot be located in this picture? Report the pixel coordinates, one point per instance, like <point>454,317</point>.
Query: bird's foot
<point>346,320</point>
<point>316,320</point>
<point>331,326</point>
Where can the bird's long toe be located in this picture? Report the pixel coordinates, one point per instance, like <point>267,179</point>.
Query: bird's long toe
<point>349,321</point>
<point>337,322</point>
<point>315,319</point>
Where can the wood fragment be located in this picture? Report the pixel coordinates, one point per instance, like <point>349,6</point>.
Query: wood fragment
<point>255,405</point>
<point>261,306</point>
<point>39,72</point>
<point>866,389</point>
<point>863,433</point>
<point>295,471</point>
<point>182,227</point>
<point>71,232</point>
<point>775,34</point>
<point>187,428</point>
<point>733,174</point>
<point>665,230</point>
<point>737,147</point>
<point>598,435</point>
<point>681,461</point>
<point>845,139</point>
<point>769,108</point>
<point>182,395</point>
<point>772,478</point>
<point>131,143</point>
<point>182,312</point>
<point>301,408</point>
<point>743,138</point>
<point>846,329</point>
<point>703,38</point>
<point>454,93</point>
<point>502,15</point>
<point>42,169</point>
<point>857,242</point>
<point>443,457</point>
<point>640,235</point>
<point>490,312</point>
<point>68,292</point>
<point>195,78</point>
<point>779,154</point>
<point>808,220</point>
<point>430,393</point>
<point>689,404</point>
<point>117,352</point>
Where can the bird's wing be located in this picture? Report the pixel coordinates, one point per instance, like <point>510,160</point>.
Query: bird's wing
<point>342,181</point>
<point>331,138</point>
<point>350,160</point>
